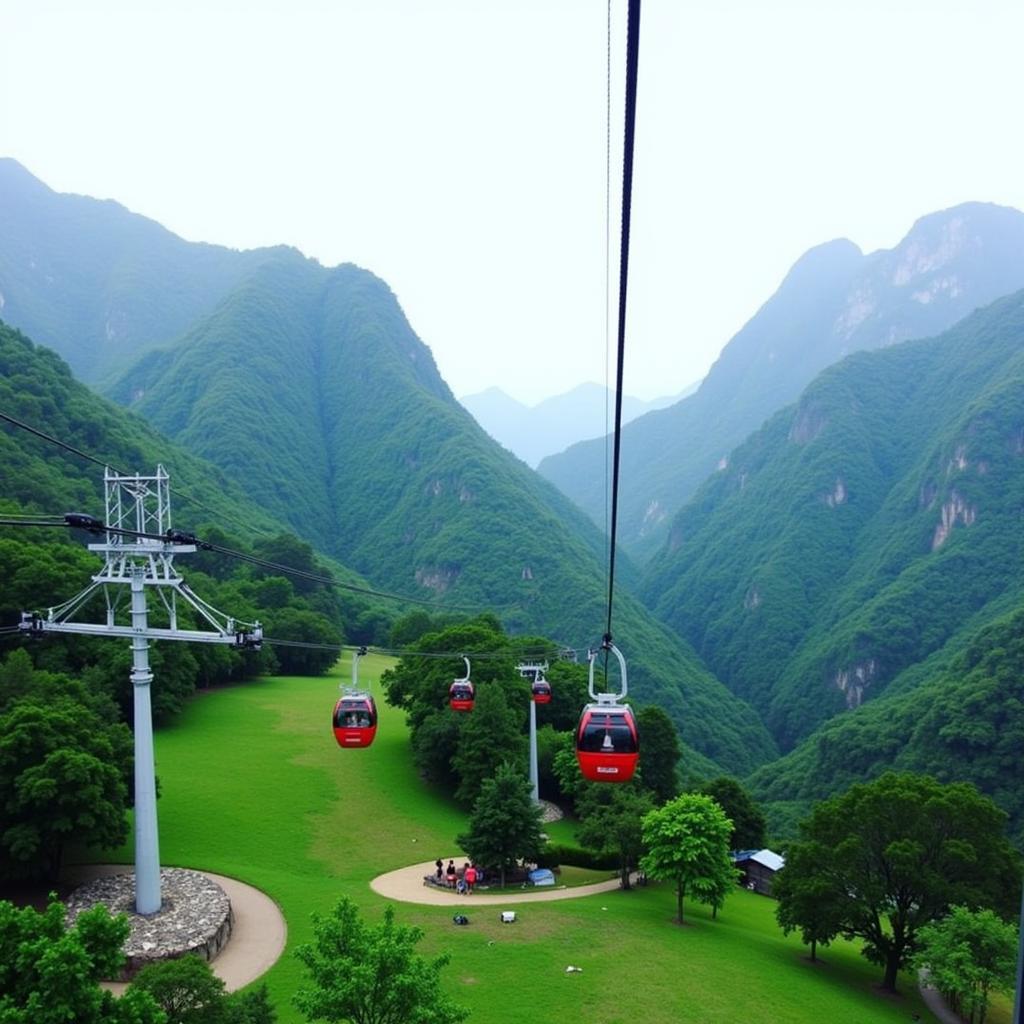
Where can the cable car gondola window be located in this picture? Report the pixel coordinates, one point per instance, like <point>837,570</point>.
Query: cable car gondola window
<point>598,736</point>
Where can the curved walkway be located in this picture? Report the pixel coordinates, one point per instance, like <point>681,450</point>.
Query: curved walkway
<point>407,886</point>
<point>258,932</point>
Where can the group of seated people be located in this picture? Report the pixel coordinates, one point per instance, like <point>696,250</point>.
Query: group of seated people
<point>462,880</point>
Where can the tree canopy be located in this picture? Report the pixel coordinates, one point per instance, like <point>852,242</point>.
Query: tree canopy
<point>687,843</point>
<point>371,974</point>
<point>505,824</point>
<point>611,822</point>
<point>748,820</point>
<point>50,974</point>
<point>891,856</point>
<point>64,774</point>
<point>968,955</point>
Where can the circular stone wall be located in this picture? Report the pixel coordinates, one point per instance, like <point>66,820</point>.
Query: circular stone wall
<point>194,916</point>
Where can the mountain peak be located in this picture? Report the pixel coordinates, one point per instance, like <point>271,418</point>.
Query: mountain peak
<point>14,175</point>
<point>823,261</point>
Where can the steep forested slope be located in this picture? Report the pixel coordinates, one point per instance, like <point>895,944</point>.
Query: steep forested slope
<point>963,720</point>
<point>97,283</point>
<point>43,567</point>
<point>861,530</point>
<point>37,388</point>
<point>833,302</point>
<point>310,389</point>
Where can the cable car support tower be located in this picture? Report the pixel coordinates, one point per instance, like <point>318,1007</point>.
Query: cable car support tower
<point>138,554</point>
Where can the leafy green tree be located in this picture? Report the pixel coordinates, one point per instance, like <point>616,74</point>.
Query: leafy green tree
<point>185,988</point>
<point>64,775</point>
<point>660,752</point>
<point>505,824</point>
<point>252,1007</point>
<point>549,743</point>
<point>434,745</point>
<point>900,851</point>
<point>687,843</point>
<point>307,627</point>
<point>968,955</point>
<point>566,769</point>
<point>371,974</point>
<point>491,736</point>
<point>748,820</point>
<point>806,899</point>
<point>50,974</point>
<point>610,822</point>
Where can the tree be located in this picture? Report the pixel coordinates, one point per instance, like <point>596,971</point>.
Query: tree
<point>687,843</point>
<point>50,974</point>
<point>490,736</point>
<point>968,954</point>
<point>661,752</point>
<point>185,988</point>
<point>252,1007</point>
<point>63,775</point>
<point>302,626</point>
<point>610,823</point>
<point>371,974</point>
<point>896,853</point>
<point>748,821</point>
<point>505,825</point>
<point>806,900</point>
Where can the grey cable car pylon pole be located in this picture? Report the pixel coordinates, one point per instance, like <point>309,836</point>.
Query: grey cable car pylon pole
<point>139,554</point>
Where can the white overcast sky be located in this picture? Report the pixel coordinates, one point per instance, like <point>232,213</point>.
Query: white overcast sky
<point>457,149</point>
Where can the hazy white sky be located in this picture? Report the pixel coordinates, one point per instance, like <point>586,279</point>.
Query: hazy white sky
<point>457,149</point>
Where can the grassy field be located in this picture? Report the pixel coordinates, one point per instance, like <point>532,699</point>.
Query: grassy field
<point>254,786</point>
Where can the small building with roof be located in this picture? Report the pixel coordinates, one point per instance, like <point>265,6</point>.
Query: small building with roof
<point>758,869</point>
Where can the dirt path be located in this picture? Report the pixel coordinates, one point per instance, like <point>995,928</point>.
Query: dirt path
<point>406,885</point>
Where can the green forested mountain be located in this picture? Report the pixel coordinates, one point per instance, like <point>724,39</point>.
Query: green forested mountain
<point>37,387</point>
<point>858,541</point>
<point>97,283</point>
<point>963,721</point>
<point>310,389</point>
<point>834,301</point>
<point>44,567</point>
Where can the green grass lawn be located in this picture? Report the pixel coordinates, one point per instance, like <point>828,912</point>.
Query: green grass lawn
<point>254,786</point>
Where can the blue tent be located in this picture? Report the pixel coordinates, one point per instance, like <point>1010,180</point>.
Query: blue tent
<point>542,876</point>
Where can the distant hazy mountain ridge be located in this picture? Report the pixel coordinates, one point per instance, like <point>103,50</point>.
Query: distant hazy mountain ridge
<point>97,283</point>
<point>552,425</point>
<point>833,302</point>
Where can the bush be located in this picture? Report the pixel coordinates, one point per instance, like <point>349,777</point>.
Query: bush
<point>555,854</point>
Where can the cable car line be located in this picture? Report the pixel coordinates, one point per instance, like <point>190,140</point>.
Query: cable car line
<point>81,521</point>
<point>632,65</point>
<point>607,741</point>
<point>50,439</point>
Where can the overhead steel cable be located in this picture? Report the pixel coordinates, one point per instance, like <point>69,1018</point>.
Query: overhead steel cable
<point>4,521</point>
<point>632,64</point>
<point>50,439</point>
<point>76,520</point>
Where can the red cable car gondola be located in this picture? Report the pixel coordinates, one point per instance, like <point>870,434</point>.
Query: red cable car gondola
<point>607,741</point>
<point>541,691</point>
<point>540,688</point>
<point>460,693</point>
<point>355,720</point>
<point>355,714</point>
